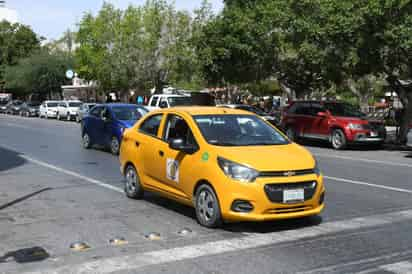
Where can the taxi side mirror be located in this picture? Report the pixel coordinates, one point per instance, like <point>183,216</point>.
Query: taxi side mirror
<point>180,145</point>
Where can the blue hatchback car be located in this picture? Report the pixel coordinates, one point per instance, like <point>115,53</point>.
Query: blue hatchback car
<point>105,123</point>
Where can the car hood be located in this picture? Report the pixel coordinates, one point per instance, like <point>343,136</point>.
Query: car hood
<point>127,123</point>
<point>270,158</point>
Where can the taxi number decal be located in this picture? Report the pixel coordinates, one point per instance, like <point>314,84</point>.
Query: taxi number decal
<point>172,170</point>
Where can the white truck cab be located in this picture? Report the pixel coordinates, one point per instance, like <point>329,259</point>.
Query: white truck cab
<point>168,100</point>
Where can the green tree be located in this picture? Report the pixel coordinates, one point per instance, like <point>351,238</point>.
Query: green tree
<point>16,41</point>
<point>42,72</point>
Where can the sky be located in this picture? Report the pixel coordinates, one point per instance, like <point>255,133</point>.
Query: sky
<point>50,18</point>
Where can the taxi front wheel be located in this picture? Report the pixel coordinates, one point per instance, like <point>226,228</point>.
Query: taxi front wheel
<point>207,207</point>
<point>133,188</point>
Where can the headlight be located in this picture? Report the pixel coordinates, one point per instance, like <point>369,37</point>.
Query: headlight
<point>355,126</point>
<point>237,171</point>
<point>316,168</point>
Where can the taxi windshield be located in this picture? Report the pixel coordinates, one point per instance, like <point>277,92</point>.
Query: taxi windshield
<point>238,130</point>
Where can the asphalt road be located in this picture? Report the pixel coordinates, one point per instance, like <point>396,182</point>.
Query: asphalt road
<point>54,193</point>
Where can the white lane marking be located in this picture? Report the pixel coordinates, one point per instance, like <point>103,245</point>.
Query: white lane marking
<point>72,173</point>
<point>363,160</point>
<point>398,268</point>
<point>139,260</point>
<point>403,190</point>
<point>341,266</point>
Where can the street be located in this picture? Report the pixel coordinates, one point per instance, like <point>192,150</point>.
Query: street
<point>54,193</point>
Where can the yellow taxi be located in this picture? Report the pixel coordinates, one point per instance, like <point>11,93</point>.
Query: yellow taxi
<point>230,165</point>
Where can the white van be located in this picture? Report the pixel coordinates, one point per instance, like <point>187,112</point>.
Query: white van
<point>48,109</point>
<point>68,109</point>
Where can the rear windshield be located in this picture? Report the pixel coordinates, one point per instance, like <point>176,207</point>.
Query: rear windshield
<point>128,113</point>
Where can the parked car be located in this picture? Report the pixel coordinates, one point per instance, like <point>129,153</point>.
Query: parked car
<point>13,107</point>
<point>105,124</point>
<point>48,109</point>
<point>221,162</point>
<point>254,110</point>
<point>3,106</point>
<point>168,100</point>
<point>68,109</point>
<point>83,111</point>
<point>30,109</point>
<point>339,123</point>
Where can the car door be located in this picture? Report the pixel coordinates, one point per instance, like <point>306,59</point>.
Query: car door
<point>148,144</point>
<point>319,125</point>
<point>177,165</point>
<point>95,125</point>
<point>108,125</point>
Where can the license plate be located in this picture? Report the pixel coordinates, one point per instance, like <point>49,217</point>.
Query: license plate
<point>293,195</point>
<point>374,134</point>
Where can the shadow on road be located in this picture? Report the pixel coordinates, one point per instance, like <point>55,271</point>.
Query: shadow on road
<point>10,159</point>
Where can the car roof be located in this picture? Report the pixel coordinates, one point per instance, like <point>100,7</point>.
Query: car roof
<point>204,110</point>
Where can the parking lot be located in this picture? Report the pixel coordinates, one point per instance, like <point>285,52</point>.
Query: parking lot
<point>54,193</point>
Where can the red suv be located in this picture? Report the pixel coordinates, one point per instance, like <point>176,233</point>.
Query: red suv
<point>338,123</point>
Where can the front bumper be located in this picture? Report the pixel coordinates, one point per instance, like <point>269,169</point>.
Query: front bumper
<point>263,209</point>
<point>52,114</point>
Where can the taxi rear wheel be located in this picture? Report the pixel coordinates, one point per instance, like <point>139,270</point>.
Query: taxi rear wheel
<point>207,207</point>
<point>133,188</point>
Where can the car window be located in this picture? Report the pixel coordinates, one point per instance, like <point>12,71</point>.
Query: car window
<point>179,101</point>
<point>316,108</point>
<point>177,128</point>
<point>154,101</point>
<point>151,125</point>
<point>75,104</point>
<point>51,105</point>
<point>126,113</point>
<point>303,109</point>
<point>97,111</point>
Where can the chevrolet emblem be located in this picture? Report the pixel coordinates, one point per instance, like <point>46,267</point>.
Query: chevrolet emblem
<point>289,173</point>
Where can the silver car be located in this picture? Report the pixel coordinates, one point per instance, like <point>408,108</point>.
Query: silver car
<point>83,111</point>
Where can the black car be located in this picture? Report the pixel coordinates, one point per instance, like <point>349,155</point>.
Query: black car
<point>30,109</point>
<point>13,107</point>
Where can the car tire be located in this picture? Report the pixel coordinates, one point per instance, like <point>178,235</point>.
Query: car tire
<point>132,188</point>
<point>114,146</point>
<point>207,207</point>
<point>86,141</point>
<point>338,139</point>
<point>291,133</point>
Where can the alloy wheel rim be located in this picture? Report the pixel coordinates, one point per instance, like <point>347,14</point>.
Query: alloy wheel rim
<point>86,140</point>
<point>131,180</point>
<point>205,205</point>
<point>115,145</point>
<point>337,139</point>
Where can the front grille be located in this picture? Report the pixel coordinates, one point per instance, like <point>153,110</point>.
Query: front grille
<point>289,173</point>
<point>289,209</point>
<point>274,192</point>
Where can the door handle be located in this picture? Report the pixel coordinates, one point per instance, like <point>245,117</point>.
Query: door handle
<point>137,144</point>
<point>161,153</point>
